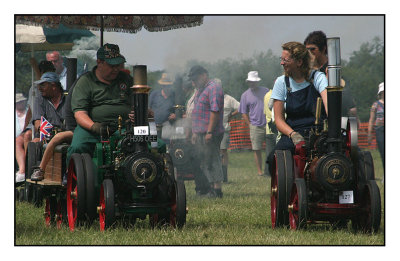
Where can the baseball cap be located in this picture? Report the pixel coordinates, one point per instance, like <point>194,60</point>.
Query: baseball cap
<point>48,77</point>
<point>110,53</point>
<point>195,71</point>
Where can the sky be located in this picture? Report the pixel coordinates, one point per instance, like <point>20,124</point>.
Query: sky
<point>240,36</point>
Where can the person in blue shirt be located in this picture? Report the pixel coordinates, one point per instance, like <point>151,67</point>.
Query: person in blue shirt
<point>161,102</point>
<point>295,94</point>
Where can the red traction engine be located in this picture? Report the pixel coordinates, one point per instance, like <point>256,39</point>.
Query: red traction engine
<point>328,179</point>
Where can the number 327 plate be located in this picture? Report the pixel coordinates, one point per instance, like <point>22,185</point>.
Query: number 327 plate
<point>346,197</point>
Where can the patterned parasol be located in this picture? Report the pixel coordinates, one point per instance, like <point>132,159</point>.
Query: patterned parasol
<point>114,23</point>
<point>30,38</point>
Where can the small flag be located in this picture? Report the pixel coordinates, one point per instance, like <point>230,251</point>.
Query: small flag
<point>45,128</point>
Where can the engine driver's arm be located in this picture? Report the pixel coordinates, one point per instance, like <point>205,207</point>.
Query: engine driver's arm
<point>83,119</point>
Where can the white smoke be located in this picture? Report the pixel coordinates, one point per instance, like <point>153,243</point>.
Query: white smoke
<point>85,46</point>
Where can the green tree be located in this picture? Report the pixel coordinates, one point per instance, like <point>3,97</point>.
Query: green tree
<point>233,72</point>
<point>363,73</point>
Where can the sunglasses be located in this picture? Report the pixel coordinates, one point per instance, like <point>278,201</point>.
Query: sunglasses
<point>285,60</point>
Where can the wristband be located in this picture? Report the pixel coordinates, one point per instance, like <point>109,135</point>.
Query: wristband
<point>290,135</point>
<point>209,132</point>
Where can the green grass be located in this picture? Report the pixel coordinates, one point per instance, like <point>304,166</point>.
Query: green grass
<point>241,217</point>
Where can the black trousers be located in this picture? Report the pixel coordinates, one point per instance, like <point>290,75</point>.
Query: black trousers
<point>380,140</point>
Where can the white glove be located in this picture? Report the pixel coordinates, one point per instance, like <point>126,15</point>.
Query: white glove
<point>296,137</point>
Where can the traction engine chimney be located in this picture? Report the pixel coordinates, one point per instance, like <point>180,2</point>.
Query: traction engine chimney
<point>334,95</point>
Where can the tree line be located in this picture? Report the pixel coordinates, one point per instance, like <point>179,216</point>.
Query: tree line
<point>362,73</point>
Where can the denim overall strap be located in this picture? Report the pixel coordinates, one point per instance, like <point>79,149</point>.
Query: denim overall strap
<point>301,105</point>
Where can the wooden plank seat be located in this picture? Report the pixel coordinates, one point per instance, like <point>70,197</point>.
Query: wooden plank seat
<point>57,165</point>
<point>45,182</point>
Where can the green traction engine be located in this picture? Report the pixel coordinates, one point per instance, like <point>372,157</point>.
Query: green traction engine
<point>129,176</point>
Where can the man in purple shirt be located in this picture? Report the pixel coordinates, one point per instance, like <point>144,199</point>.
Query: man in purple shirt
<point>252,109</point>
<point>207,126</point>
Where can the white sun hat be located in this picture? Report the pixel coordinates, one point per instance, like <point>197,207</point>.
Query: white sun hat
<point>253,77</point>
<point>381,87</point>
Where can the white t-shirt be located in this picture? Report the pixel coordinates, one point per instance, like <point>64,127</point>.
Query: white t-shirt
<point>230,105</point>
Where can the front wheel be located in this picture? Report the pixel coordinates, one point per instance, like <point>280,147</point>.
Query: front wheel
<point>75,191</point>
<point>281,183</point>
<point>107,208</point>
<point>298,205</point>
<point>178,207</point>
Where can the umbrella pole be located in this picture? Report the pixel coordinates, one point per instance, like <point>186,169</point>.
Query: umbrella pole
<point>33,91</point>
<point>101,30</point>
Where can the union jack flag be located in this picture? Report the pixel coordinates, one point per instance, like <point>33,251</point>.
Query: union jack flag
<point>45,128</point>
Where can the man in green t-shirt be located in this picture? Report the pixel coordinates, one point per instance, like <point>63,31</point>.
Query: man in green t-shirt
<point>99,97</point>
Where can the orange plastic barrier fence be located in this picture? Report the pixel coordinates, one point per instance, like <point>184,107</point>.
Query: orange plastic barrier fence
<point>363,137</point>
<point>240,136</point>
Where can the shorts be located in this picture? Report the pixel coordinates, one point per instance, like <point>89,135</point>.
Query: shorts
<point>257,137</point>
<point>225,141</point>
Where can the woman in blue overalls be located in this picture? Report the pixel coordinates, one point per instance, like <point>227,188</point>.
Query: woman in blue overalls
<point>295,93</point>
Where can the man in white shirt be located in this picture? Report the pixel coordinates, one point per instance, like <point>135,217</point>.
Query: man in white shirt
<point>61,70</point>
<point>231,106</point>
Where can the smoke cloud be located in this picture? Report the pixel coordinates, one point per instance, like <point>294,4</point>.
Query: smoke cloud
<point>237,37</point>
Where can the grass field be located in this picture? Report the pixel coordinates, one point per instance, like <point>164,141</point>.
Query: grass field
<point>241,217</point>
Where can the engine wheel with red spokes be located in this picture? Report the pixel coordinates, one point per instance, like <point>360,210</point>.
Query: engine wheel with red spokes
<point>177,217</point>
<point>369,219</point>
<point>90,185</point>
<point>157,220</point>
<point>106,208</point>
<point>281,183</point>
<point>59,217</point>
<point>298,205</point>
<point>50,210</point>
<point>75,191</point>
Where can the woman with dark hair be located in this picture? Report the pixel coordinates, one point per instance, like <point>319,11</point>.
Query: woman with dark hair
<point>295,94</point>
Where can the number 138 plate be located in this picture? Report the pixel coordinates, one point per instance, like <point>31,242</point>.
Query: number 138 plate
<point>346,197</point>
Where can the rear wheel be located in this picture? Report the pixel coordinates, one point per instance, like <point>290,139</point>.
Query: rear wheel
<point>369,219</point>
<point>75,191</point>
<point>368,166</point>
<point>107,208</point>
<point>281,182</point>
<point>298,205</point>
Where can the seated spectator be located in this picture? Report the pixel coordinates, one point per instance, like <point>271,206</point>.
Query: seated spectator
<point>21,142</point>
<point>57,60</point>
<point>50,104</point>
<point>20,113</point>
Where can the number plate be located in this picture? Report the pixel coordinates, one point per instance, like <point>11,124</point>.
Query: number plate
<point>144,138</point>
<point>346,197</point>
<point>141,130</point>
<point>179,130</point>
